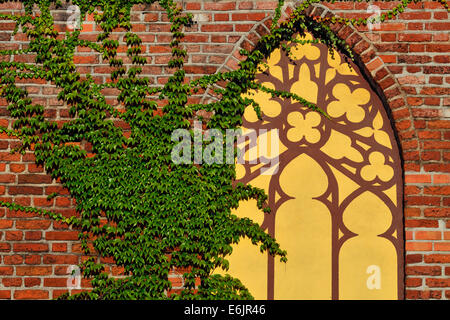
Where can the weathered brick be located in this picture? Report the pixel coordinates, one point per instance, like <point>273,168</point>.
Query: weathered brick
<point>33,271</point>
<point>30,247</point>
<point>31,294</point>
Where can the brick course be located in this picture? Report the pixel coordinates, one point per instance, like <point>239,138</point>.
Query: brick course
<point>407,57</point>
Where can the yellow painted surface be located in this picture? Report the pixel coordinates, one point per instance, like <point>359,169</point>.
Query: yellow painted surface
<point>340,146</point>
<point>247,258</point>
<point>304,87</point>
<point>304,126</point>
<point>367,216</point>
<point>346,186</point>
<point>303,225</point>
<point>349,102</point>
<point>303,228</point>
<point>268,106</point>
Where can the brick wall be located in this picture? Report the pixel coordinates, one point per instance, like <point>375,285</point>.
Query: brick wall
<point>407,57</point>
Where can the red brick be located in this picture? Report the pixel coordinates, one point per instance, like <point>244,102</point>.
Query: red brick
<point>25,190</point>
<point>30,247</point>
<point>200,69</point>
<point>15,167</point>
<point>33,235</point>
<point>224,6</point>
<point>6,156</point>
<point>431,155</point>
<point>421,223</point>
<point>33,168</point>
<point>440,37</point>
<point>34,179</point>
<point>57,293</point>
<point>58,225</point>
<point>409,190</point>
<point>12,282</point>
<point>437,212</point>
<point>217,28</point>
<point>30,294</point>
<point>243,27</point>
<point>419,294</point>
<point>438,282</point>
<point>59,247</point>
<point>428,235</point>
<point>437,258</point>
<point>85,59</point>
<point>439,124</point>
<point>436,70</point>
<point>442,246</point>
<point>61,235</point>
<point>117,271</point>
<point>60,259</point>
<point>414,37</point>
<point>434,91</point>
<point>56,189</point>
<point>415,26</point>
<point>24,201</point>
<point>5,247</point>
<point>437,167</point>
<point>151,17</point>
<point>12,259</point>
<point>422,201</point>
<point>13,235</point>
<point>431,5</point>
<point>415,47</point>
<point>33,224</point>
<point>42,202</point>
<point>6,271</point>
<point>257,16</point>
<point>425,113</point>
<point>61,270</point>
<point>33,259</point>
<point>441,178</point>
<point>411,167</point>
<point>409,145</point>
<point>5,294</point>
<point>436,144</point>
<point>438,26</point>
<point>7,178</point>
<point>245,5</point>
<point>412,212</point>
<point>429,134</point>
<point>444,190</point>
<point>32,282</point>
<point>33,271</point>
<point>55,282</point>
<point>415,15</point>
<point>414,258</point>
<point>418,246</point>
<point>6,224</point>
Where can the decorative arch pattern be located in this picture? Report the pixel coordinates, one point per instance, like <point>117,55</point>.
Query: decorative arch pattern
<point>382,80</point>
<point>336,191</point>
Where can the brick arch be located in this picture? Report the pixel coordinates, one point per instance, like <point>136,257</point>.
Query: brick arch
<point>368,60</point>
<point>382,80</point>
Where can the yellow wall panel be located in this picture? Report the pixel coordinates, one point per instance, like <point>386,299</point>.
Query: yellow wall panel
<point>335,190</point>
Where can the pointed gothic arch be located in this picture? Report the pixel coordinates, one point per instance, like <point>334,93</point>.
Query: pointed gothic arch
<point>337,191</point>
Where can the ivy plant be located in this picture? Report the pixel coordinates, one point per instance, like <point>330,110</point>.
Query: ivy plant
<point>133,203</point>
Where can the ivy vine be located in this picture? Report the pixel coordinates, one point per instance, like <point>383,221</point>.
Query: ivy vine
<point>133,203</point>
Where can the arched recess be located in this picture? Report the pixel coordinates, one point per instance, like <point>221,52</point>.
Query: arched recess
<point>377,73</point>
<point>335,185</point>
